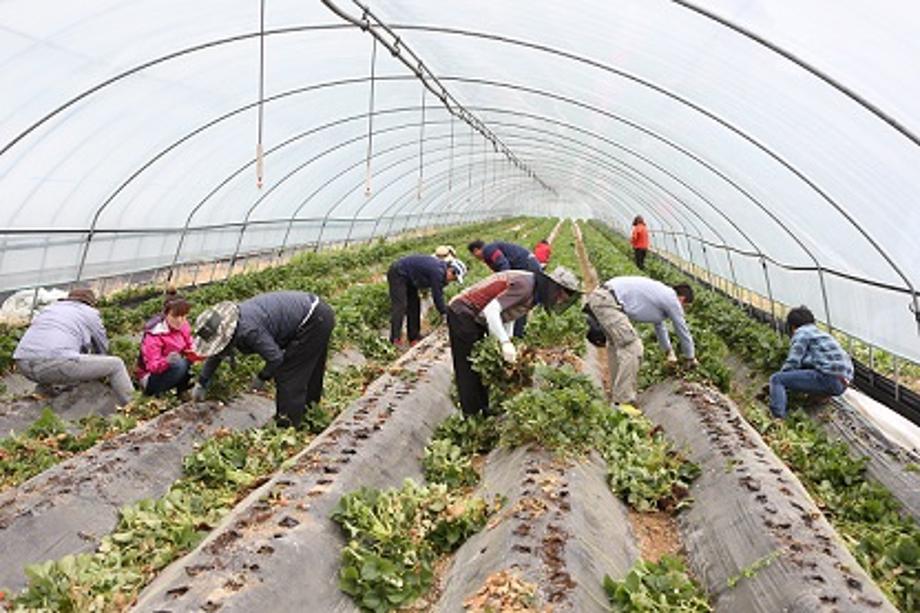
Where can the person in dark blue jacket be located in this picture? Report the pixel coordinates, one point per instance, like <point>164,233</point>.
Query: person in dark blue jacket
<point>500,256</point>
<point>406,277</point>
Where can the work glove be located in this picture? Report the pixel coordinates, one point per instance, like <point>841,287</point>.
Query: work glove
<point>173,358</point>
<point>671,359</point>
<point>509,353</point>
<point>257,384</point>
<point>199,393</point>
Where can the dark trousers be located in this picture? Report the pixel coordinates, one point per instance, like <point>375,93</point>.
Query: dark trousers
<point>640,257</point>
<point>178,376</point>
<point>404,304</point>
<point>299,379</point>
<point>464,331</point>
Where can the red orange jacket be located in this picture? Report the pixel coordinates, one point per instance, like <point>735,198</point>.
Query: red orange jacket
<point>639,238</point>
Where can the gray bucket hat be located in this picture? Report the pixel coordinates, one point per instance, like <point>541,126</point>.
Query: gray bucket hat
<point>215,327</point>
<point>566,279</point>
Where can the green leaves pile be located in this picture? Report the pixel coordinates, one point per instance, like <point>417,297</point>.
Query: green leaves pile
<point>49,441</point>
<point>567,414</point>
<point>449,456</point>
<point>502,379</point>
<point>395,537</point>
<point>662,586</point>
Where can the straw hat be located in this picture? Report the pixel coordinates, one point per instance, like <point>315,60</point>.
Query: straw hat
<point>215,327</point>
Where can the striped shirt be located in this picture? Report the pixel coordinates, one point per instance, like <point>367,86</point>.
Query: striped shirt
<point>815,349</point>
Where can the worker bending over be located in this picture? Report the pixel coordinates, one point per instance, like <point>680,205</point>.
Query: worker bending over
<point>406,277</point>
<point>501,256</point>
<point>489,307</point>
<point>66,343</point>
<point>816,364</point>
<point>289,330</point>
<point>611,309</point>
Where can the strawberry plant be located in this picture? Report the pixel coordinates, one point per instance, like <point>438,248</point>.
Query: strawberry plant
<point>662,586</point>
<point>501,378</point>
<point>396,535</point>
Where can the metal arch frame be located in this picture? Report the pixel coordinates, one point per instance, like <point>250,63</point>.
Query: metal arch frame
<point>430,81</point>
<point>628,122</point>
<point>696,107</point>
<point>493,37</point>
<point>558,168</point>
<point>312,131</point>
<point>410,109</point>
<point>525,44</point>
<point>301,90</point>
<point>801,63</point>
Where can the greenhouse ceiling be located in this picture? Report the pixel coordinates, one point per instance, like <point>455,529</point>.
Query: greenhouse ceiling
<point>773,143</point>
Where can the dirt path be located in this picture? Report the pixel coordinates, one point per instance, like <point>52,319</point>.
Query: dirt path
<point>552,235</point>
<point>657,533</point>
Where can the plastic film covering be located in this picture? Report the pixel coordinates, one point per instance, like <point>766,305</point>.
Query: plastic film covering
<point>754,536</point>
<point>745,134</point>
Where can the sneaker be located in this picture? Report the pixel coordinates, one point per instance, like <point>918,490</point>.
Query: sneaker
<point>629,409</point>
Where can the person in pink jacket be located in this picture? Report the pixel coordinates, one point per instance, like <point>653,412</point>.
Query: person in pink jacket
<point>167,350</point>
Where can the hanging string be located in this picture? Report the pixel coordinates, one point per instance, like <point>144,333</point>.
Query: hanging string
<point>421,149</point>
<point>370,121</point>
<point>260,156</point>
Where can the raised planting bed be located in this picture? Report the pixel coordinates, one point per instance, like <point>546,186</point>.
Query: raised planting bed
<point>279,550</point>
<point>20,409</point>
<point>68,508</point>
<point>561,529</point>
<point>753,535</point>
<point>895,467</point>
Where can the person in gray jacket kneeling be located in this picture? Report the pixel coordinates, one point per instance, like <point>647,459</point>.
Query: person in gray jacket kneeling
<point>289,330</point>
<point>66,344</point>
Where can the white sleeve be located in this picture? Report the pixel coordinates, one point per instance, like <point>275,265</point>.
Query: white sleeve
<point>493,314</point>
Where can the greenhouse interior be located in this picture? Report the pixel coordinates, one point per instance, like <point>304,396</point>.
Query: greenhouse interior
<point>656,261</point>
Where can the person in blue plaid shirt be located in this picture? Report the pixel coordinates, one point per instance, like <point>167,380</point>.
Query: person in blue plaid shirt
<point>816,365</point>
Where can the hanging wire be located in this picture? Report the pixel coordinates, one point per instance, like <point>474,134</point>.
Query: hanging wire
<point>421,147</point>
<point>370,120</point>
<point>369,22</point>
<point>260,155</point>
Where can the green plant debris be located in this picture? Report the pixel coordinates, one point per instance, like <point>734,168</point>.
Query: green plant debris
<point>662,586</point>
<point>755,567</point>
<point>396,535</point>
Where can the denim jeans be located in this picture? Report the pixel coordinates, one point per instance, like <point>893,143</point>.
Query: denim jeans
<point>808,381</point>
<point>176,376</point>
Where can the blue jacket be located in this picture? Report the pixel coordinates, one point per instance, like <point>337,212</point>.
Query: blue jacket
<point>425,272</point>
<point>501,256</point>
